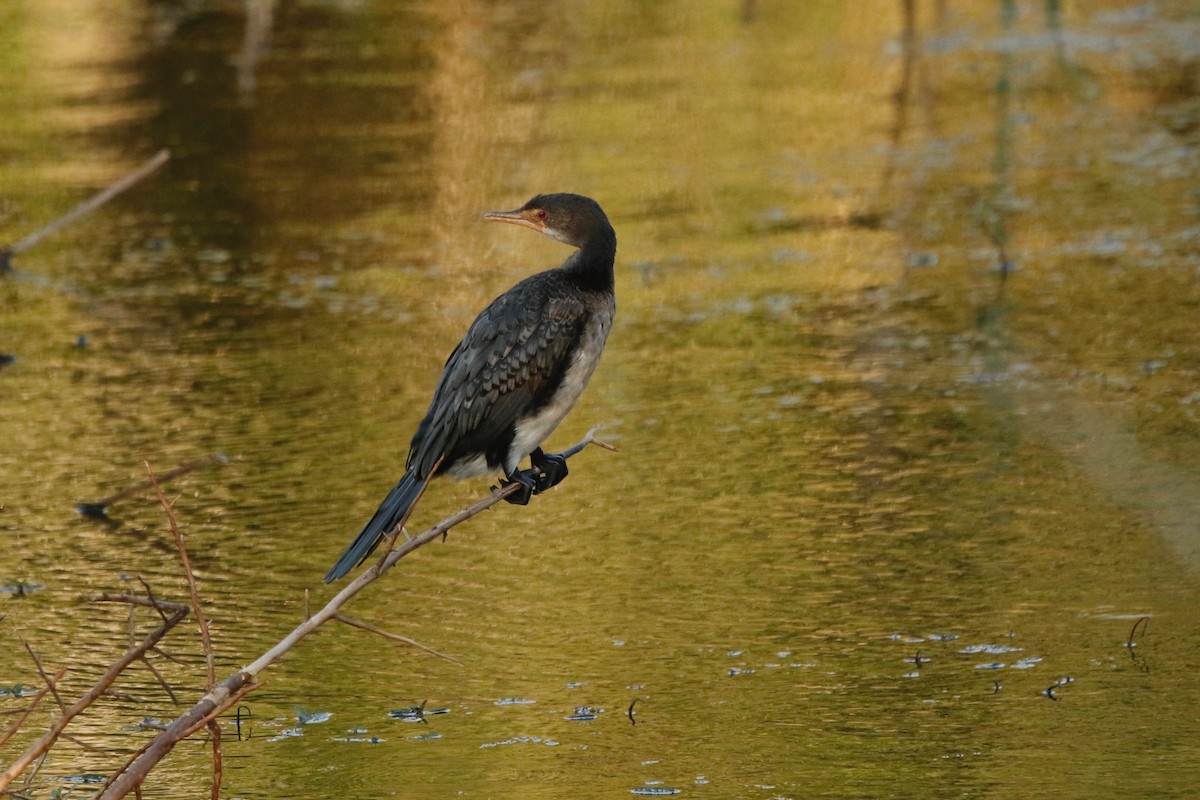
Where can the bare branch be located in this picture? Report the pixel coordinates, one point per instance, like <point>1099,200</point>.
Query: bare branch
<point>205,639</point>
<point>42,745</point>
<point>150,595</point>
<point>132,599</point>
<point>161,680</point>
<point>98,508</point>
<point>214,728</point>
<point>168,656</point>
<point>91,204</point>
<point>49,683</point>
<point>366,626</point>
<point>37,698</point>
<point>76,740</point>
<point>229,691</point>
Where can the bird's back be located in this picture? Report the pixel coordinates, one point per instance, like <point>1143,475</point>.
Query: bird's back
<point>512,363</point>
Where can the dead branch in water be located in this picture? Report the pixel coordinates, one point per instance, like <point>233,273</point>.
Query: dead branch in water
<point>84,208</point>
<point>232,689</point>
<point>98,508</point>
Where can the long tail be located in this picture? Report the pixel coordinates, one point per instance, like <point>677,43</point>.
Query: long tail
<point>391,511</point>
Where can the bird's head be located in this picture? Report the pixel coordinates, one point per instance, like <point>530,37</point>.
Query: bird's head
<point>568,218</point>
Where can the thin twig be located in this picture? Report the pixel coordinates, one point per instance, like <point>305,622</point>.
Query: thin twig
<point>205,639</point>
<point>366,626</point>
<point>161,680</point>
<point>136,755</point>
<point>168,656</point>
<point>150,595</point>
<point>42,745</point>
<point>97,509</point>
<point>49,683</point>
<point>92,203</point>
<point>133,599</point>
<point>214,728</point>
<point>131,621</point>
<point>37,698</point>
<point>83,744</point>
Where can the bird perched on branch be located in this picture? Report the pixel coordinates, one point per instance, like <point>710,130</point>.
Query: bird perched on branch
<point>522,365</point>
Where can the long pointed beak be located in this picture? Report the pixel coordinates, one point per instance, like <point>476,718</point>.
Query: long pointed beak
<point>518,217</point>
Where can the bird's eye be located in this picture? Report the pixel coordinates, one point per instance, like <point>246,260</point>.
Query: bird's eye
<point>542,214</point>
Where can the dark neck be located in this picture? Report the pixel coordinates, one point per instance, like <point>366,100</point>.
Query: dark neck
<point>592,265</point>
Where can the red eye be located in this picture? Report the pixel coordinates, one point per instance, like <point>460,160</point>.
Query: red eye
<point>542,215</point>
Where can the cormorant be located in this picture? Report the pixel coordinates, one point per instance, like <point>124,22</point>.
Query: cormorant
<point>523,363</point>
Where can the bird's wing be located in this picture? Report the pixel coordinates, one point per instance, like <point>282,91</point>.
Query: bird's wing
<point>511,358</point>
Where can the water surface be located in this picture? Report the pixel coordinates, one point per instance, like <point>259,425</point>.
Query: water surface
<point>904,377</point>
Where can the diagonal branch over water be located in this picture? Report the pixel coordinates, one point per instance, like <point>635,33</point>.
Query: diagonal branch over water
<point>229,691</point>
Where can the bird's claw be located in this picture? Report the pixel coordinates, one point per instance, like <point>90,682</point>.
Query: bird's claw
<point>528,480</point>
<point>548,470</point>
<point>551,468</point>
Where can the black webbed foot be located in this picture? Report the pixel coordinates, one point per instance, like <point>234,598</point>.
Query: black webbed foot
<point>528,479</point>
<point>548,470</point>
<point>551,466</point>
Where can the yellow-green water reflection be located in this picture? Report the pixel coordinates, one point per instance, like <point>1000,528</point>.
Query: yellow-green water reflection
<point>874,496</point>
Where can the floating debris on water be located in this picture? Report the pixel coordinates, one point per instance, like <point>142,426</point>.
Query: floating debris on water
<point>990,648</point>
<point>917,260</point>
<point>287,733</point>
<point>20,588</point>
<point>86,777</point>
<point>312,718</point>
<point>416,713</point>
<point>906,639</point>
<point>520,740</point>
<point>584,714</point>
<point>358,739</point>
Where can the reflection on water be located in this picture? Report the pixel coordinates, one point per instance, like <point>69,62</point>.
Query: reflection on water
<point>904,380</point>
